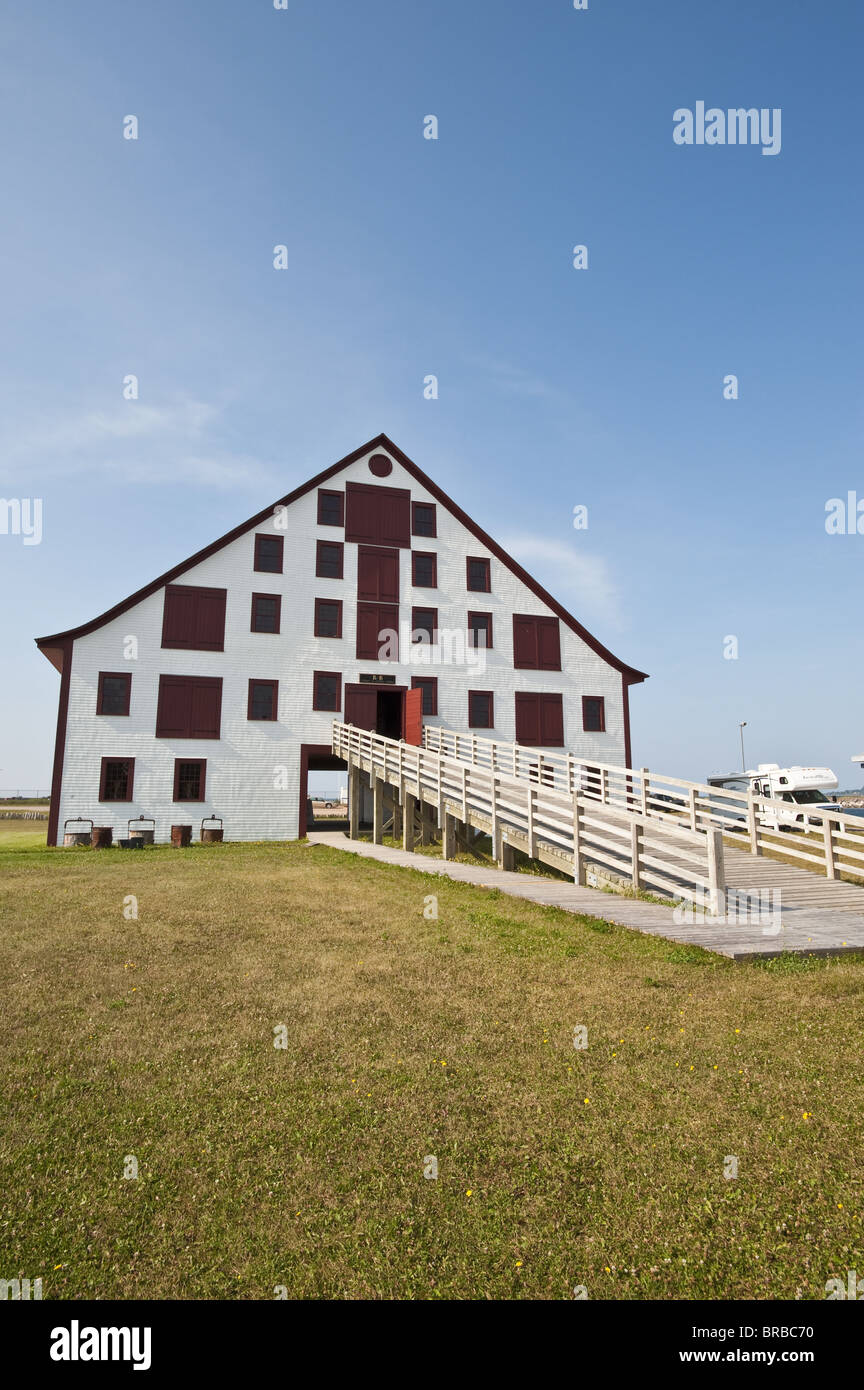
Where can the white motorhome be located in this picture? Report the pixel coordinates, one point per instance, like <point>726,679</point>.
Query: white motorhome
<point>803,788</point>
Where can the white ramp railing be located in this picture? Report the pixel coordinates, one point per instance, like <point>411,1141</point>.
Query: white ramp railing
<point>835,845</point>
<point>542,818</point>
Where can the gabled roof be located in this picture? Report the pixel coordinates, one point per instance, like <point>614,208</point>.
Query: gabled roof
<point>55,645</point>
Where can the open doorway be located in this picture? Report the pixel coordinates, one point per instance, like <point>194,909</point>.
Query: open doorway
<point>322,778</point>
<point>379,708</point>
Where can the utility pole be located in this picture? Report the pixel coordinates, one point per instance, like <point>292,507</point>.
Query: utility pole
<point>741,727</point>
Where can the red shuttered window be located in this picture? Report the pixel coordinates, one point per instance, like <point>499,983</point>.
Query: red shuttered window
<point>329,559</point>
<point>190,779</point>
<point>424,625</point>
<point>114,693</point>
<point>263,700</point>
<point>424,569</point>
<point>478,575</point>
<point>429,686</point>
<point>536,643</point>
<point>481,709</point>
<point>424,520</point>
<point>193,618</point>
<point>327,690</point>
<point>116,779</point>
<point>480,630</point>
<point>331,507</point>
<point>594,714</point>
<point>268,554</point>
<point>189,707</point>
<point>328,617</point>
<point>266,612</point>
<point>539,719</point>
<point>377,515</point>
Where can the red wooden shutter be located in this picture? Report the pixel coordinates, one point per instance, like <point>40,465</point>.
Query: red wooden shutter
<point>189,707</point>
<point>414,717</point>
<point>194,618</point>
<point>552,721</point>
<point>377,574</point>
<point>524,643</point>
<point>527,717</point>
<point>361,706</point>
<point>206,709</point>
<point>172,715</point>
<point>548,644</point>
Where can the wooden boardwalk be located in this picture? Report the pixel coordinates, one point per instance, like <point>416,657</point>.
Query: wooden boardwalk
<point>816,917</point>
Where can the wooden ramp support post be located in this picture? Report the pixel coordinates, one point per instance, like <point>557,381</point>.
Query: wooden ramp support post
<point>716,874</point>
<point>377,810</point>
<point>448,837</point>
<point>409,810</point>
<point>354,794</point>
<point>636,829</point>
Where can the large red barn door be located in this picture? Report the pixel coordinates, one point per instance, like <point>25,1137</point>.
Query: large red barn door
<point>414,717</point>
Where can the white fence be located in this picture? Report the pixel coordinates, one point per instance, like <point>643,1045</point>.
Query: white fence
<point>836,846</point>
<point>543,811</point>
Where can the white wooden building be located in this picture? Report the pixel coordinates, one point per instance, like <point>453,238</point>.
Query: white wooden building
<point>212,690</point>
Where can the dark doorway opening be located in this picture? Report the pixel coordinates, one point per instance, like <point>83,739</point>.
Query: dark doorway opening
<point>389,713</point>
<point>318,757</point>
<point>379,708</point>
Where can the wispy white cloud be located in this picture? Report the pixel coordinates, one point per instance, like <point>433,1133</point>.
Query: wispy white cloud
<point>582,581</point>
<point>177,442</point>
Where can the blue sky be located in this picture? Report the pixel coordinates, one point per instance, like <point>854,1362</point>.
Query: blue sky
<point>409,256</point>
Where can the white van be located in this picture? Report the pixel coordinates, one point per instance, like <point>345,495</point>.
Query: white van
<point>802,787</point>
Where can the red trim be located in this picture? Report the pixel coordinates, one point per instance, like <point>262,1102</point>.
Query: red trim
<point>380,442</point>
<point>625,692</point>
<point>432,508</point>
<point>334,545</point>
<point>487,617</point>
<point>337,602</point>
<point>602,729</point>
<point>478,560</point>
<point>274,700</point>
<point>380,466</point>
<point>266,569</point>
<point>130,780</point>
<point>491,694</point>
<point>100,692</point>
<point>64,656</point>
<point>424,555</point>
<point>337,677</point>
<point>418,683</point>
<point>322,492</point>
<point>188,800</point>
<point>267,631</point>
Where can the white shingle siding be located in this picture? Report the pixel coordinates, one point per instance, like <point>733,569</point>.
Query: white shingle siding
<point>242,766</point>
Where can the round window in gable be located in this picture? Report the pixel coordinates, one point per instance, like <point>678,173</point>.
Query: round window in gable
<point>380,465</point>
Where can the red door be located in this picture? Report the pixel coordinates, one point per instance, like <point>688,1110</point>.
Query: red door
<point>361,706</point>
<point>414,717</point>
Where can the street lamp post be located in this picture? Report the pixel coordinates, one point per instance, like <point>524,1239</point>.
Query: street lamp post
<point>741,727</point>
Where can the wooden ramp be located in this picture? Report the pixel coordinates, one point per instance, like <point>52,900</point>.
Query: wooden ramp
<point>721,896</point>
<point>803,932</point>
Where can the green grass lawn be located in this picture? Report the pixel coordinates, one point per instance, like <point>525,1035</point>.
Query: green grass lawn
<point>407,1037</point>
